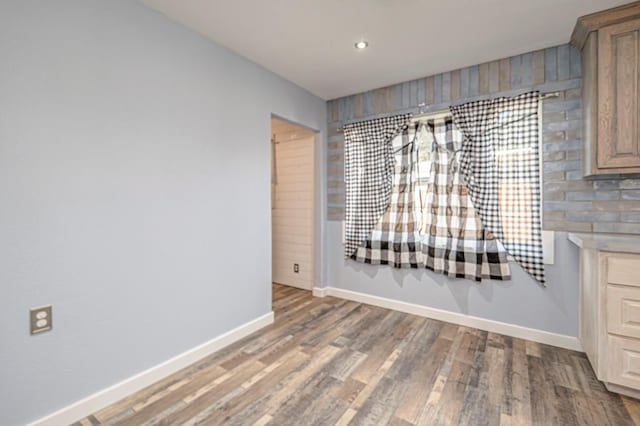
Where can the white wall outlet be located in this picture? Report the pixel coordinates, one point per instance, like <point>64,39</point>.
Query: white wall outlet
<point>41,319</point>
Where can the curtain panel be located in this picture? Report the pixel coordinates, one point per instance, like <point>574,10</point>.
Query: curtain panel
<point>368,171</point>
<point>455,242</point>
<point>501,166</point>
<point>394,240</point>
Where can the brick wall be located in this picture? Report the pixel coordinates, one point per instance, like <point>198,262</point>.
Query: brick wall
<point>570,202</point>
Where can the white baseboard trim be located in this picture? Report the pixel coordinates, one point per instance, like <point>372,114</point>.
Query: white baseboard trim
<point>320,291</point>
<point>296,285</point>
<point>540,336</point>
<point>108,396</point>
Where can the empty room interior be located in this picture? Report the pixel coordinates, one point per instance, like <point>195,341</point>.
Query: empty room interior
<point>363,212</point>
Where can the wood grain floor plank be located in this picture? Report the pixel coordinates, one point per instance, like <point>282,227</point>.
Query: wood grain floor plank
<point>378,409</point>
<point>316,404</point>
<point>354,319</point>
<point>428,378</point>
<point>264,420</point>
<point>350,390</point>
<point>521,405</point>
<point>346,417</point>
<point>201,405</point>
<point>445,399</point>
<point>633,408</point>
<point>323,319</point>
<point>329,361</point>
<point>402,334</point>
<point>283,391</point>
<point>260,386</point>
<point>314,387</point>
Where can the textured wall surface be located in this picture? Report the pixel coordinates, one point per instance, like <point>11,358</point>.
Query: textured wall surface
<point>125,140</point>
<point>570,203</point>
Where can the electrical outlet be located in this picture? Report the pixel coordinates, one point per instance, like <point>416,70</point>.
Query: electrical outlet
<point>296,268</point>
<point>41,319</point>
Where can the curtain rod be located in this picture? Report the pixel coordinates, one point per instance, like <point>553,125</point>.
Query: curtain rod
<point>435,114</point>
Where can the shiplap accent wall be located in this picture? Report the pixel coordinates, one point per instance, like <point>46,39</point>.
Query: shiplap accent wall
<point>292,205</point>
<point>570,203</point>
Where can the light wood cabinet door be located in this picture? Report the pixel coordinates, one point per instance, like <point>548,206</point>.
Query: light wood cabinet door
<point>624,362</point>
<point>623,269</point>
<point>623,311</point>
<point>618,105</point>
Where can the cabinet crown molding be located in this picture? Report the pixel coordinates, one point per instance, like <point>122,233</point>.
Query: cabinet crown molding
<point>595,21</point>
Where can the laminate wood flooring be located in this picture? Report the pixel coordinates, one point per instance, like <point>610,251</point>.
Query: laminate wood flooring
<point>327,361</point>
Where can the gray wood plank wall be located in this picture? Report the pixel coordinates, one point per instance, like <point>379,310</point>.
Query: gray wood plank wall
<point>570,203</point>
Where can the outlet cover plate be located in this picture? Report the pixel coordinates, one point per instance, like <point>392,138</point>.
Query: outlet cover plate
<point>40,319</point>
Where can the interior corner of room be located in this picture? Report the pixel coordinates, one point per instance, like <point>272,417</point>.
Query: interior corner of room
<point>271,213</point>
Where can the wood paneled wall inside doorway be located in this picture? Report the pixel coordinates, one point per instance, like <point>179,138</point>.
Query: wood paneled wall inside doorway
<point>292,187</point>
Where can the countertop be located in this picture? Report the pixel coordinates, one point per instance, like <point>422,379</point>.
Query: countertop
<point>621,243</point>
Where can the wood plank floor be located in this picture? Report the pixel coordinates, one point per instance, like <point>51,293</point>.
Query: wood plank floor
<point>328,361</point>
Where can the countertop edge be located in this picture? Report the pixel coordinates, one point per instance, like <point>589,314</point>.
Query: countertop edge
<point>622,243</point>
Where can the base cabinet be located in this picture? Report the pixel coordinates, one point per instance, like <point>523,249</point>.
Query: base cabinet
<point>610,317</point>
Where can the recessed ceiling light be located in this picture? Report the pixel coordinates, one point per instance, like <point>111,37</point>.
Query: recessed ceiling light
<point>362,45</point>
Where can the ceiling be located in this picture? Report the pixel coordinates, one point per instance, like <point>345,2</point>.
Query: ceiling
<point>311,42</point>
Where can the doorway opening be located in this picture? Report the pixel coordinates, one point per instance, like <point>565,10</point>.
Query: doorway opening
<point>292,204</point>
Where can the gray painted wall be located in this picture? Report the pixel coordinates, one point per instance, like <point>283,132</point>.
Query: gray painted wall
<point>521,301</point>
<point>134,184</point>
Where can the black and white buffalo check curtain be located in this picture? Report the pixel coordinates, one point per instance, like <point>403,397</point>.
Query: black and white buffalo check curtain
<point>368,175</point>
<point>501,166</point>
<point>454,241</point>
<point>429,221</point>
<point>394,240</point>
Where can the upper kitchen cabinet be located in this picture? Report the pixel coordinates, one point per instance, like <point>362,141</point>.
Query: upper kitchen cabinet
<point>610,45</point>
